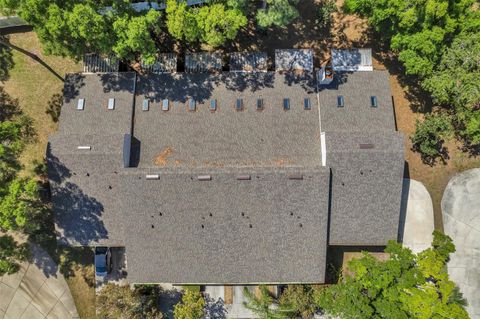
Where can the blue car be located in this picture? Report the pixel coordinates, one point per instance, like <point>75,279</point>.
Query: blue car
<point>102,262</point>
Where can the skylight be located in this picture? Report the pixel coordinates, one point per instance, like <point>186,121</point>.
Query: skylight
<point>191,105</point>
<point>307,104</point>
<point>145,105</point>
<point>239,105</point>
<point>286,104</point>
<point>373,101</point>
<point>81,104</point>
<point>213,105</point>
<point>165,105</point>
<point>340,101</point>
<point>111,104</point>
<point>259,104</point>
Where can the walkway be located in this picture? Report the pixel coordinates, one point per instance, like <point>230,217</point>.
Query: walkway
<point>461,220</point>
<point>37,291</point>
<point>416,224</point>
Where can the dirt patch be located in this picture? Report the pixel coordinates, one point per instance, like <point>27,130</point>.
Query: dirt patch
<point>162,158</point>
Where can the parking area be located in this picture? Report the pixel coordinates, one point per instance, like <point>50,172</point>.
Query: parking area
<point>116,266</point>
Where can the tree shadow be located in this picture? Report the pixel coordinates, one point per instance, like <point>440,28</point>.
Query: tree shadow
<point>253,81</point>
<point>215,309</point>
<point>431,160</point>
<point>304,80</point>
<point>177,87</point>
<point>6,59</point>
<point>73,83</point>
<point>77,214</point>
<point>9,106</point>
<point>167,300</point>
<point>32,56</point>
<point>54,106</point>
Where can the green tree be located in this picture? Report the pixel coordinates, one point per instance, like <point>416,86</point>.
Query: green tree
<point>72,28</point>
<point>212,24</point>
<point>218,24</point>
<point>265,306</point>
<point>135,35</point>
<point>404,286</point>
<point>278,13</point>
<point>19,205</point>
<point>11,253</point>
<point>430,135</point>
<point>114,301</point>
<point>456,82</point>
<point>191,307</point>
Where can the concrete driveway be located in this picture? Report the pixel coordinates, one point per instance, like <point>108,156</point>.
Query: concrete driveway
<point>461,220</point>
<point>37,291</point>
<point>416,222</point>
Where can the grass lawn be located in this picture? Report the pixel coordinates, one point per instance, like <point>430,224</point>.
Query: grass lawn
<point>34,85</point>
<point>75,264</point>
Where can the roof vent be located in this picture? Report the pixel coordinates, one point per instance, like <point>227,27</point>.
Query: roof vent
<point>81,104</point>
<point>192,105</point>
<point>340,101</point>
<point>165,105</point>
<point>204,178</point>
<point>111,104</point>
<point>152,176</point>
<point>367,146</point>
<point>145,104</point>
<point>84,147</point>
<point>244,177</point>
<point>286,104</point>
<point>295,176</point>
<point>259,104</point>
<point>239,105</point>
<point>307,104</point>
<point>213,105</point>
<point>373,101</point>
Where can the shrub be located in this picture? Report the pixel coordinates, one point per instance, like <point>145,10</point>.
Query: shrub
<point>430,135</point>
<point>324,19</point>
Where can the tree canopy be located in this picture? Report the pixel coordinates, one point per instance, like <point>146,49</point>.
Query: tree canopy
<point>74,27</point>
<point>213,24</point>
<point>406,285</point>
<point>191,307</point>
<point>278,13</point>
<point>438,42</point>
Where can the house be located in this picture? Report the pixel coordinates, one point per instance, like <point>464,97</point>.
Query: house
<point>227,178</point>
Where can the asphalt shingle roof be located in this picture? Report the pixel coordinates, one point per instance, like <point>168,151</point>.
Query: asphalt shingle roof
<point>97,201</point>
<point>357,114</point>
<point>285,242</point>
<point>96,90</point>
<point>226,137</point>
<point>367,175</point>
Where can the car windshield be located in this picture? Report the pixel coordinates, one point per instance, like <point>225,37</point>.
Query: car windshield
<point>101,269</point>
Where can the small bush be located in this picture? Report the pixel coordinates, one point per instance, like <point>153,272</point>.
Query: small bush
<point>115,301</point>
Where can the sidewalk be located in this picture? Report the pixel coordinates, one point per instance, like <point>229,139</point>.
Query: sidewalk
<point>37,291</point>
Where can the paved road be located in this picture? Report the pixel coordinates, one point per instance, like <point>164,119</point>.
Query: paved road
<point>418,216</point>
<point>461,220</point>
<point>37,291</point>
